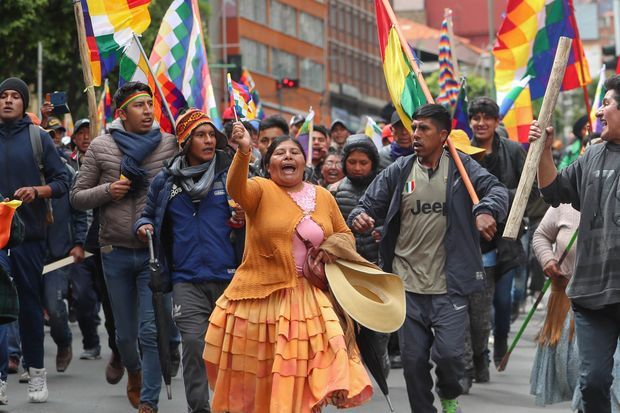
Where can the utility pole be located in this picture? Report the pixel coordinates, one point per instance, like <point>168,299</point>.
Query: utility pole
<point>40,75</point>
<point>491,57</point>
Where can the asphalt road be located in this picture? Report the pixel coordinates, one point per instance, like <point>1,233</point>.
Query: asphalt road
<point>82,388</point>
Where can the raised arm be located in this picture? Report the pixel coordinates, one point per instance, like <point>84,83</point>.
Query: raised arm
<point>246,192</point>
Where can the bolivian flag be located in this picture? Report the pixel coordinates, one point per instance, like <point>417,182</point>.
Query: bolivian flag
<point>7,210</point>
<point>402,83</point>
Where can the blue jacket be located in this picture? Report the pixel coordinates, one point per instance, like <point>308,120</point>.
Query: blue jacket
<point>464,270</point>
<point>198,259</point>
<point>18,168</point>
<point>69,227</point>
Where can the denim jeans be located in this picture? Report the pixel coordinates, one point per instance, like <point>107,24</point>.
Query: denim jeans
<point>13,342</point>
<point>127,275</point>
<point>502,303</point>
<point>597,334</point>
<point>86,301</point>
<point>56,287</point>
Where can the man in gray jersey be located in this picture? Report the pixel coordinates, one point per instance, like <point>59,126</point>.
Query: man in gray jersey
<point>431,240</point>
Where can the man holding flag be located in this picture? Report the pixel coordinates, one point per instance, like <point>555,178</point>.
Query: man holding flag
<point>115,177</point>
<point>430,239</point>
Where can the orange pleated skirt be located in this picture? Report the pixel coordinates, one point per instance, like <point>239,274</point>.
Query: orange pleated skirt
<point>284,353</point>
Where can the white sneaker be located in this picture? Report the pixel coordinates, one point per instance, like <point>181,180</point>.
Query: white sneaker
<point>37,386</point>
<point>4,399</point>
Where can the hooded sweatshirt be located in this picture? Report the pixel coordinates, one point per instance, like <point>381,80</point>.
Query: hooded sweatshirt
<point>18,169</point>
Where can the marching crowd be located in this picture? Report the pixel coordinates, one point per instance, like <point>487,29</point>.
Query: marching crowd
<point>242,224</point>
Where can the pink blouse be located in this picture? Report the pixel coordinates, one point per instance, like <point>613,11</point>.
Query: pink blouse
<point>307,228</point>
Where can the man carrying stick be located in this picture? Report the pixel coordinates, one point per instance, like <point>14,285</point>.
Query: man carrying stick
<point>590,184</point>
<point>431,240</point>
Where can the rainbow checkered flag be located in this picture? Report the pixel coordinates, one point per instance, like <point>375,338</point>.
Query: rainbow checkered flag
<point>109,27</point>
<point>241,100</point>
<point>597,126</point>
<point>246,79</point>
<point>449,86</point>
<point>135,68</point>
<point>180,51</point>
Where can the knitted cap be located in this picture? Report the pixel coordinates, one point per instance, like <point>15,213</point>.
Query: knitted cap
<point>14,83</point>
<point>190,120</point>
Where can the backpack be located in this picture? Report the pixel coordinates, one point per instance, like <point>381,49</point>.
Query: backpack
<point>37,150</point>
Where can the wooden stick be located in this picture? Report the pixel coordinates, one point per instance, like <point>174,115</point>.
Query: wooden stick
<point>429,99</point>
<point>455,60</point>
<point>504,362</point>
<point>536,148</point>
<point>86,70</point>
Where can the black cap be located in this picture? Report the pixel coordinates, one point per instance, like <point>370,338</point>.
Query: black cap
<point>80,124</point>
<point>395,118</point>
<point>338,122</point>
<point>14,83</point>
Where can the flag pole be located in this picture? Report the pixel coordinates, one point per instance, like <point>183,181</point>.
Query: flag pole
<point>86,69</point>
<point>455,60</point>
<point>310,129</point>
<point>161,93</point>
<point>429,99</point>
<point>578,51</point>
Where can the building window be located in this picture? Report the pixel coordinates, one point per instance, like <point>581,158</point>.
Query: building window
<point>253,10</point>
<point>311,29</point>
<point>283,18</point>
<point>283,64</point>
<point>333,14</point>
<point>356,24</point>
<point>312,75</point>
<point>254,55</point>
<point>341,18</point>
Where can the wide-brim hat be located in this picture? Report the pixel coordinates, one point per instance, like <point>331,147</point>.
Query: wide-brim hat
<point>373,298</point>
<point>461,142</point>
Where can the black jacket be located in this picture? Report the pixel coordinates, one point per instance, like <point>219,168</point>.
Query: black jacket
<point>464,270</point>
<point>347,197</point>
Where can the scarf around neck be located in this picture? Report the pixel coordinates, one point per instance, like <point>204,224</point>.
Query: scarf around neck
<point>396,151</point>
<point>197,180</point>
<point>135,148</point>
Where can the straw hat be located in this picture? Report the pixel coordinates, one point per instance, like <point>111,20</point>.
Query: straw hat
<point>373,298</point>
<point>461,142</point>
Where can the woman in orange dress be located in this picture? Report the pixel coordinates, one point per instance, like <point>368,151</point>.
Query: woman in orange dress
<point>275,343</point>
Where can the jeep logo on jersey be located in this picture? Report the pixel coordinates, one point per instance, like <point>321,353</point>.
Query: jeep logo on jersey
<point>429,208</point>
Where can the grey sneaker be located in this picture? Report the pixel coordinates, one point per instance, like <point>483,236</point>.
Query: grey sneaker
<point>24,377</point>
<point>91,353</point>
<point>37,386</point>
<point>4,399</point>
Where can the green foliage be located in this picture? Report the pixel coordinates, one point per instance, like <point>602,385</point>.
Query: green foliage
<point>476,85</point>
<point>25,22</point>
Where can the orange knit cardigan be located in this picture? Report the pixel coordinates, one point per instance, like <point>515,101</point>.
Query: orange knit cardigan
<point>271,217</point>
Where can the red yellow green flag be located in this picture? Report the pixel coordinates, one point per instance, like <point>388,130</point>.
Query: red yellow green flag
<point>7,210</point>
<point>402,83</point>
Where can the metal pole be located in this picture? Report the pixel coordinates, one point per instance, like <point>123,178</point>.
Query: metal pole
<point>491,57</point>
<point>616,28</point>
<point>40,74</point>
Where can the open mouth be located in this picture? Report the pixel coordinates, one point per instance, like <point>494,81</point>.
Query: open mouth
<point>289,169</point>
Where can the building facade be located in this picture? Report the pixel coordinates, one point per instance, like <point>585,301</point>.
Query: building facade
<point>356,81</point>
